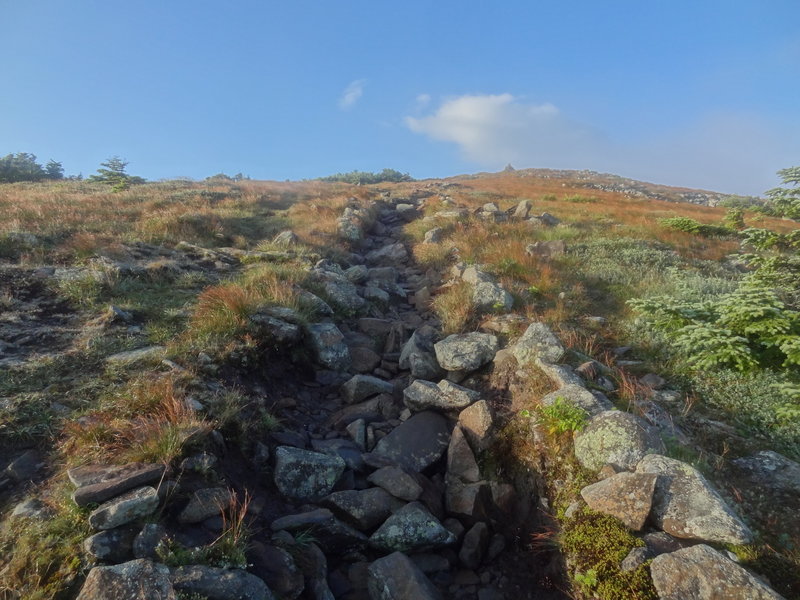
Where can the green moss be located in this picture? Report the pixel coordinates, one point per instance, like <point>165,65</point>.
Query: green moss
<point>597,543</point>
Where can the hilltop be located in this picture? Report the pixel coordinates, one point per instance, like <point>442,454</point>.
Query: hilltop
<point>439,388</point>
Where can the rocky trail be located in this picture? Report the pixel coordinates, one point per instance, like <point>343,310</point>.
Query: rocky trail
<point>385,478</point>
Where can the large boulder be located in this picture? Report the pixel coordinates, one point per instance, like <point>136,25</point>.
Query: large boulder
<point>617,438</point>
<point>626,496</point>
<point>327,344</point>
<point>466,351</point>
<point>306,475</point>
<point>580,397</point>
<point>415,444</point>
<point>702,573</point>
<point>411,528</point>
<point>418,354</point>
<point>538,343</point>
<point>685,505</point>
<point>220,584</point>
<point>396,577</point>
<point>134,580</point>
<point>360,387</point>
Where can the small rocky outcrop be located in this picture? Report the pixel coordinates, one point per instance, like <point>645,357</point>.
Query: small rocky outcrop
<point>466,351</point>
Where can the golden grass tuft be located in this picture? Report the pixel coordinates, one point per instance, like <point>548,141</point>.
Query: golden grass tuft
<point>455,309</point>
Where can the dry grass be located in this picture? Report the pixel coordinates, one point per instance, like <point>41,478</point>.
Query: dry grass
<point>454,308</point>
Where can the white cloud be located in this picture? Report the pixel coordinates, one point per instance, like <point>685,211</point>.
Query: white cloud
<point>423,100</point>
<point>352,93</point>
<point>735,153</point>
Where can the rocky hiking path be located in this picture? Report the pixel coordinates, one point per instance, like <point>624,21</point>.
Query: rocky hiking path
<point>388,478</point>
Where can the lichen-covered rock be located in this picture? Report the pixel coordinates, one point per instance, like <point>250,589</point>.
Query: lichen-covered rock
<point>114,545</point>
<point>205,503</point>
<point>328,346</point>
<point>445,396</point>
<point>433,236</point>
<point>306,475</point>
<point>134,580</point>
<point>363,509</point>
<point>98,483</point>
<point>418,354</point>
<point>220,584</point>
<point>580,397</point>
<point>360,387</point>
<point>391,255</point>
<point>538,343</point>
<point>278,569</point>
<point>411,528</point>
<point>333,535</point>
<point>522,210</point>
<point>490,296</point>
<point>396,577</point>
<point>417,443</point>
<point>397,482</point>
<point>702,573</point>
<point>466,351</point>
<point>125,509</point>
<point>626,496</point>
<point>616,438</point>
<point>687,506</point>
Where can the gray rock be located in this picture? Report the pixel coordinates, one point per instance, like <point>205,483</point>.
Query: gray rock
<point>359,387</point>
<point>327,344</point>
<point>635,559</point>
<point>474,546</point>
<point>460,459</point>
<point>653,381</point>
<point>685,505</point>
<point>205,503</point>
<point>411,528</point>
<point>134,580</point>
<point>125,509</point>
<point>470,500</point>
<point>24,466</point>
<point>561,375</point>
<point>396,577</point>
<point>417,443</point>
<point>490,296</point>
<point>773,471</point>
<point>286,238</point>
<point>277,568</point>
<point>422,395</point>
<point>626,496</point>
<point>379,408</point>
<point>349,451</point>
<point>474,274</point>
<point>466,351</point>
<point>148,540</point>
<point>333,535</point>
<point>306,475</point>
<point>357,274</point>
<point>397,482</point>
<point>274,330</point>
<point>32,508</point>
<point>220,584</point>
<point>349,229</point>
<point>546,250</point>
<point>419,356</point>
<point>358,432</point>
<point>312,302</point>
<point>523,209</point>
<point>538,343</point>
<point>114,545</point>
<point>98,483</point>
<point>364,360</point>
<point>617,438</point>
<point>340,291</point>
<point>477,423</point>
<point>433,236</point>
<point>702,573</point>
<point>315,569</point>
<point>391,255</point>
<point>363,509</point>
<point>578,396</point>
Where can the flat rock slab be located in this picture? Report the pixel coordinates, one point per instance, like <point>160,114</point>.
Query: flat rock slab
<point>417,443</point>
<point>125,509</point>
<point>360,387</point>
<point>685,505</point>
<point>626,496</point>
<point>538,343</point>
<point>396,577</point>
<point>411,528</point>
<point>580,397</point>
<point>98,483</point>
<point>220,584</point>
<point>702,573</point>
<point>131,356</point>
<point>135,580</point>
<point>363,509</point>
<point>466,351</point>
<point>333,535</point>
<point>305,475</point>
<point>397,482</point>
<point>617,438</point>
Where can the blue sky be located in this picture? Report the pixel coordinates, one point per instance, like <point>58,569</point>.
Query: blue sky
<point>699,94</point>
